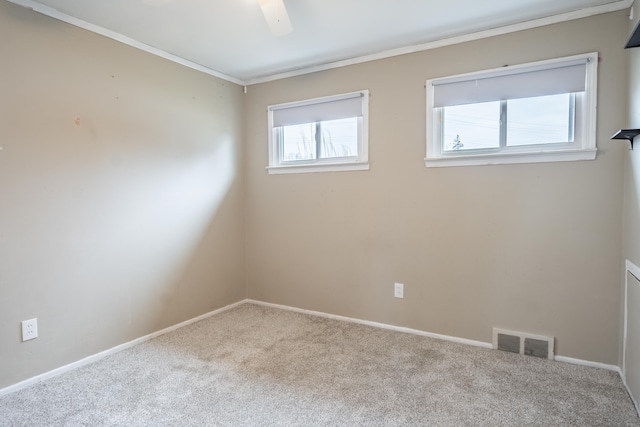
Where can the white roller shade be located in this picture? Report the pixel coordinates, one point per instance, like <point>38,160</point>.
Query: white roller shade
<point>342,108</point>
<point>525,82</point>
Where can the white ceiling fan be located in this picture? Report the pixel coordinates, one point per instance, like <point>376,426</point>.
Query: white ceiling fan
<point>277,17</point>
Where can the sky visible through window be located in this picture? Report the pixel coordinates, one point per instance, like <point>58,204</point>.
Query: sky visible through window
<point>338,138</point>
<point>530,121</point>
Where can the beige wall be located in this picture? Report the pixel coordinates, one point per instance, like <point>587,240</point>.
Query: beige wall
<point>134,219</point>
<point>128,223</point>
<point>533,247</point>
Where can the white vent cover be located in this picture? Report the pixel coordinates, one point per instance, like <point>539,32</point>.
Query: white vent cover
<point>523,343</point>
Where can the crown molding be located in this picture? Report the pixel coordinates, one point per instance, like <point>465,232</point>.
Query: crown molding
<point>541,22</point>
<point>53,13</point>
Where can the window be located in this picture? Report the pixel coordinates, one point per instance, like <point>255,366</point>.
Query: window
<point>319,135</point>
<point>538,112</point>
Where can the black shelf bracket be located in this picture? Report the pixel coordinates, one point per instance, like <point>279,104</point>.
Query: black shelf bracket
<point>627,134</point>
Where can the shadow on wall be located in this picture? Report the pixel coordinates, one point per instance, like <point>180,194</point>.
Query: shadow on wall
<point>106,238</point>
<point>121,202</point>
<point>166,232</point>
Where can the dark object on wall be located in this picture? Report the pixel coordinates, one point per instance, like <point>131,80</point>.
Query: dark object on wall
<point>634,40</point>
<point>627,134</point>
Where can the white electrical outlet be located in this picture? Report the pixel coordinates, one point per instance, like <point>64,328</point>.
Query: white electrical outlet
<point>398,290</point>
<point>29,329</point>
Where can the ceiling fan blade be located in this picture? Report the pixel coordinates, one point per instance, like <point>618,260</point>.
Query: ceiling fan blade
<point>277,17</point>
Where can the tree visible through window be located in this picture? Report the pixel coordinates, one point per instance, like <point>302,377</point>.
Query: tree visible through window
<point>516,122</point>
<point>542,111</point>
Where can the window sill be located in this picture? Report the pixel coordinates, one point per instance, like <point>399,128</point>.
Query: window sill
<point>511,158</point>
<point>318,167</point>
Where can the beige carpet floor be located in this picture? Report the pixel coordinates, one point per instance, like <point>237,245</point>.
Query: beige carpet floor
<point>259,366</point>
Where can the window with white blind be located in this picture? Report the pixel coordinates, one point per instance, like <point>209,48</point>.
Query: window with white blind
<point>319,135</point>
<point>537,112</point>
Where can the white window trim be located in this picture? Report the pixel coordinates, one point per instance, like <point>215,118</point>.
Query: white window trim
<point>354,163</point>
<point>585,132</point>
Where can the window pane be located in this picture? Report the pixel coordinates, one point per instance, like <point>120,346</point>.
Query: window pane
<point>540,120</point>
<point>471,127</point>
<point>298,142</point>
<point>339,138</point>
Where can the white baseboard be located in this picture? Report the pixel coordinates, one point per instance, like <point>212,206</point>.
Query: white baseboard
<point>95,357</point>
<point>376,324</point>
<point>574,361</point>
<point>429,334</point>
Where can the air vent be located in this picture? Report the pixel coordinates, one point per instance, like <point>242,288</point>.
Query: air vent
<point>523,343</point>
<point>509,343</point>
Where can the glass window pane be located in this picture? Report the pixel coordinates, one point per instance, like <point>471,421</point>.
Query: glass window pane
<point>471,127</point>
<point>540,120</point>
<point>298,142</point>
<point>339,138</point>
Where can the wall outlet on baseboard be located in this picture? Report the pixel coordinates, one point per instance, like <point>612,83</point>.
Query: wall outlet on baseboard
<point>29,329</point>
<point>398,290</point>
